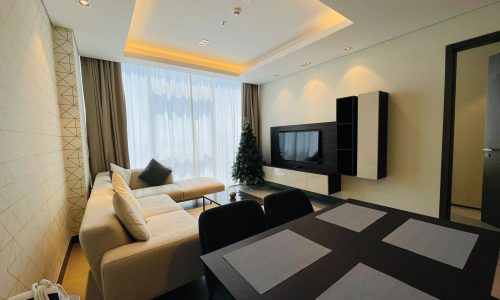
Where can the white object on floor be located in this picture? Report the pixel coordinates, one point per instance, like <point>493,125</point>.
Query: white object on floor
<point>42,290</point>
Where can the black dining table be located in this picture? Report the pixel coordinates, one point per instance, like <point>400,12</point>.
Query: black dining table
<point>350,248</point>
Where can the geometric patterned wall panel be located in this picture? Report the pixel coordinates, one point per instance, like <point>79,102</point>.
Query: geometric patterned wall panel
<point>34,224</point>
<point>73,137</point>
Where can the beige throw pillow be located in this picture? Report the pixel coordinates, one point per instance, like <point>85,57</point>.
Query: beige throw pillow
<point>129,211</point>
<point>124,173</point>
<point>119,184</point>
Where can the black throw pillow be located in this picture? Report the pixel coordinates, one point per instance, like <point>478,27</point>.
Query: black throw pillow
<point>155,173</point>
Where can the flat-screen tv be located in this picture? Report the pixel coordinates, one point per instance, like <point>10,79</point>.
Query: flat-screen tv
<point>302,146</point>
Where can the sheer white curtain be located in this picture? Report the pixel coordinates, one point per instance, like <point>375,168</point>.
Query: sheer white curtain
<point>190,123</point>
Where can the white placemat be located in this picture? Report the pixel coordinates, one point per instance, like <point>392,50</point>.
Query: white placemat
<point>270,261</point>
<point>447,245</point>
<point>353,217</point>
<point>363,282</point>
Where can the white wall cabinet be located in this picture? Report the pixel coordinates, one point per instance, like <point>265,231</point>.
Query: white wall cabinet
<point>362,135</point>
<point>372,135</point>
<point>324,184</point>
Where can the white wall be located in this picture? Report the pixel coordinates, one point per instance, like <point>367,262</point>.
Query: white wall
<point>411,69</point>
<point>34,231</point>
<point>470,111</point>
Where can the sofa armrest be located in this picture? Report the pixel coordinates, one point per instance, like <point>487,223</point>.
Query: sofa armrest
<point>145,270</point>
<point>100,230</point>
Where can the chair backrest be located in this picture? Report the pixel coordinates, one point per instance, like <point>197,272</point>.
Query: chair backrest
<point>230,223</point>
<point>285,206</point>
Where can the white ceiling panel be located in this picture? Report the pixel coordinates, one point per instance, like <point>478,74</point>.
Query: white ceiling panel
<point>100,30</point>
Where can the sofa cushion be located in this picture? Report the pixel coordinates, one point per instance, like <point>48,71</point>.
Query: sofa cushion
<point>159,204</point>
<point>119,185</point>
<point>155,173</point>
<point>129,212</point>
<point>171,190</point>
<point>173,222</point>
<point>130,218</point>
<point>124,173</point>
<point>137,183</point>
<point>197,187</point>
<point>149,269</point>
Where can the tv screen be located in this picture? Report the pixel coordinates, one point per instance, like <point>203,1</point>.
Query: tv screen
<point>302,146</point>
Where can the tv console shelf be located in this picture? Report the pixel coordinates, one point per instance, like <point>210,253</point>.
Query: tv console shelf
<point>347,121</point>
<point>315,181</point>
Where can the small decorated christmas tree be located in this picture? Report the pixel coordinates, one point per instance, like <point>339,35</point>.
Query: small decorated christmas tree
<point>247,167</point>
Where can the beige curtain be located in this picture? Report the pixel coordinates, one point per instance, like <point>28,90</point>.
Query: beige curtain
<point>106,114</point>
<point>251,108</point>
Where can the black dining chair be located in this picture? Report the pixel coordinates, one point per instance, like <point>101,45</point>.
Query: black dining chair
<point>224,225</point>
<point>285,206</point>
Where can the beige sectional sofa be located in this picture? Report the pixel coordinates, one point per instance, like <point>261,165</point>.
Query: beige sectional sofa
<point>127,269</point>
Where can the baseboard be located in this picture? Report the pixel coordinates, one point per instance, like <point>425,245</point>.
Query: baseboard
<point>465,206</point>
<point>74,240</point>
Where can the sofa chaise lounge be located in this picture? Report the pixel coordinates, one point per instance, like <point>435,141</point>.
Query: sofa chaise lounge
<point>124,268</point>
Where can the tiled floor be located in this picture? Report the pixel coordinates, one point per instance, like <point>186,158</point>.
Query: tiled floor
<point>77,279</point>
<point>469,216</point>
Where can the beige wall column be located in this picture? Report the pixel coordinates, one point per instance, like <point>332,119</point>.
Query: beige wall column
<point>73,130</point>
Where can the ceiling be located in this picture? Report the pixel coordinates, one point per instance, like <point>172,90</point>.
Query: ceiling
<point>100,31</point>
<point>269,39</point>
<point>172,29</point>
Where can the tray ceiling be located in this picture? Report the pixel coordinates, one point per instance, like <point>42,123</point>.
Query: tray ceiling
<point>269,39</point>
<point>172,30</point>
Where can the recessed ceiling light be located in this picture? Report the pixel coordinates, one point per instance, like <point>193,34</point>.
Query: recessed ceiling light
<point>347,48</point>
<point>236,11</point>
<point>85,3</point>
<point>306,64</point>
<point>203,42</point>
<point>248,1</point>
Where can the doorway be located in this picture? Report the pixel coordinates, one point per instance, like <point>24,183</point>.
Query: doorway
<point>470,161</point>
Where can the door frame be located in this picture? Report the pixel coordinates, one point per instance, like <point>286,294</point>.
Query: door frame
<point>449,114</point>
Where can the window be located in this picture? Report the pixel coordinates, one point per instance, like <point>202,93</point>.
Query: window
<point>190,123</point>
